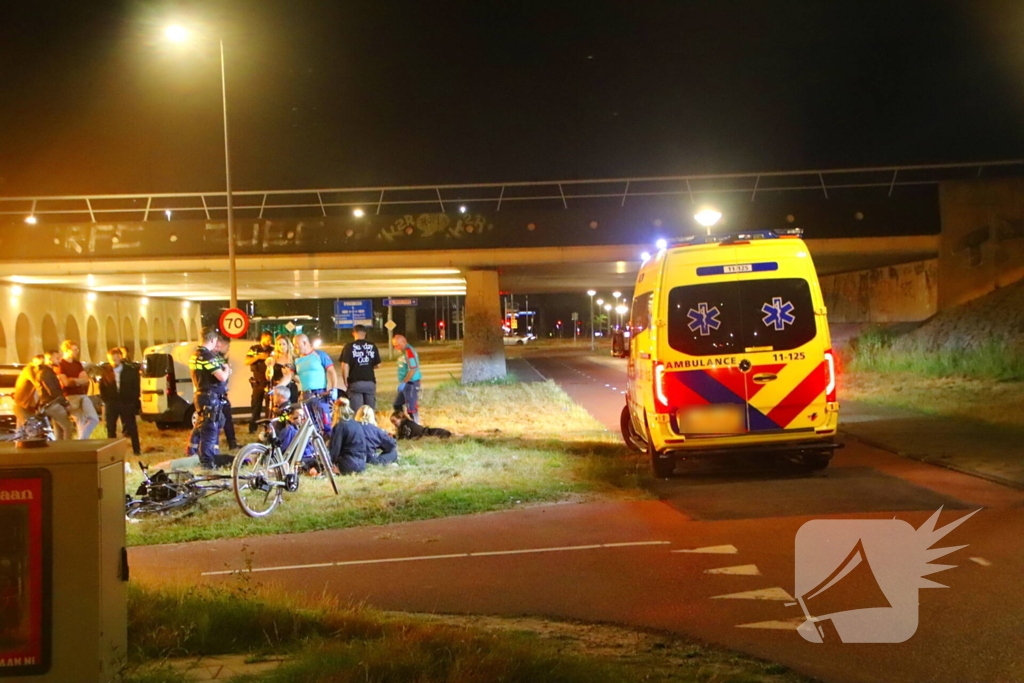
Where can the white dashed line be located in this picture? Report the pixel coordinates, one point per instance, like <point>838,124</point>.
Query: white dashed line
<point>773,593</point>
<point>712,550</point>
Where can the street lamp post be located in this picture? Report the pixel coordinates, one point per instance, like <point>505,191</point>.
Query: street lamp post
<point>179,34</point>
<point>608,310</point>
<point>591,294</point>
<point>617,295</point>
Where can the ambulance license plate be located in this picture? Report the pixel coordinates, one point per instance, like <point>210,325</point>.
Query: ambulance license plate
<point>723,418</point>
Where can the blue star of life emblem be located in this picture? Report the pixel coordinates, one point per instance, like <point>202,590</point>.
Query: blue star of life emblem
<point>704,319</point>
<point>778,314</point>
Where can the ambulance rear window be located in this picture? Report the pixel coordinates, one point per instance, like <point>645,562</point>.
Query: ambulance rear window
<point>730,317</point>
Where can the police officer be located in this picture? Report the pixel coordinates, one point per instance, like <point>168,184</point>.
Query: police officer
<point>210,374</point>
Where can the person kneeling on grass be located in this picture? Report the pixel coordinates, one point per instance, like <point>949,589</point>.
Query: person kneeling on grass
<point>405,428</point>
<point>349,448</point>
<point>383,447</point>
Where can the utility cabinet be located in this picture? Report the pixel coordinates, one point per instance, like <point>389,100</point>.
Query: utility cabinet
<point>63,565</point>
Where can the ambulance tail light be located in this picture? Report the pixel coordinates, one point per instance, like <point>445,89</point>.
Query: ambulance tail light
<point>172,388</point>
<point>830,376</point>
<point>659,385</point>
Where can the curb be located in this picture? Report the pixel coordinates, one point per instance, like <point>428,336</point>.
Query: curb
<point>995,479</point>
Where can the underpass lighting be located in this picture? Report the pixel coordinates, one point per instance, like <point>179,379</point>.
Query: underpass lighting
<point>31,219</point>
<point>90,297</point>
<point>16,290</point>
<point>358,213</point>
<point>661,244</point>
<point>167,213</point>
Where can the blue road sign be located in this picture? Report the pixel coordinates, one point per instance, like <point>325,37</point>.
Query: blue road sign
<point>401,302</point>
<point>351,312</point>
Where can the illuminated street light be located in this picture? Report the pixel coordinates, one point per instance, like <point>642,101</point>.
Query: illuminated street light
<point>608,310</point>
<point>591,293</point>
<point>179,34</point>
<point>707,218</point>
<point>621,310</point>
<point>616,295</point>
<point>176,33</point>
<point>358,213</point>
<point>91,296</point>
<point>462,209</point>
<point>31,220</point>
<point>16,290</point>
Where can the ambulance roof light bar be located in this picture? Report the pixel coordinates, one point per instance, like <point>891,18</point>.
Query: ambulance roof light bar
<point>733,238</point>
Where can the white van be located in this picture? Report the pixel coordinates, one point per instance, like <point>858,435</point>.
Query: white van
<point>167,383</point>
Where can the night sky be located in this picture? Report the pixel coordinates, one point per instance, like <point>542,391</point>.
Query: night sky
<point>332,93</point>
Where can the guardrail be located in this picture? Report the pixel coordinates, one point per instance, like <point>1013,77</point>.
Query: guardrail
<point>453,197</point>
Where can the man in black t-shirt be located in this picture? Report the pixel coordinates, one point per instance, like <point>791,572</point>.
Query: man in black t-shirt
<point>256,359</point>
<point>358,359</point>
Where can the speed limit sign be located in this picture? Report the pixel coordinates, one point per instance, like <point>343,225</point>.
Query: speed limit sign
<point>234,323</point>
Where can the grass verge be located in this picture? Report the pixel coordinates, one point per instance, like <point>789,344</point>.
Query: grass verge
<point>881,350</point>
<point>329,643</point>
<point>518,444</point>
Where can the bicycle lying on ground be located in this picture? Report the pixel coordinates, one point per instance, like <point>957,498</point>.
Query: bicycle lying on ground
<point>262,472</point>
<point>171,491</point>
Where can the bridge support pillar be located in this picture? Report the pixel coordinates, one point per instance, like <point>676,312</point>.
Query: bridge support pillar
<point>483,350</point>
<point>412,332</point>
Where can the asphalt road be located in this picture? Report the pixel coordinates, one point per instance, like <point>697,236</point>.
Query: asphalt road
<point>631,563</point>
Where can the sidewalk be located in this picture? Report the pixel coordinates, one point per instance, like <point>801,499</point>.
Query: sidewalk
<point>975,447</point>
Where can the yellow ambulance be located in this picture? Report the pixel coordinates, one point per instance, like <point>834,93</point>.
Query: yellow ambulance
<point>730,351</point>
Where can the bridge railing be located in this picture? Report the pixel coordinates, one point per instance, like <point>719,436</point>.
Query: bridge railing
<point>452,198</point>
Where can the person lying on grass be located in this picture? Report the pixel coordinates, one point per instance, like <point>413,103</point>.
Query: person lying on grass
<point>349,448</point>
<point>383,447</point>
<point>405,428</point>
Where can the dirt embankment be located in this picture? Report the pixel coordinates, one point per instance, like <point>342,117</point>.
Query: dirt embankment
<point>994,319</point>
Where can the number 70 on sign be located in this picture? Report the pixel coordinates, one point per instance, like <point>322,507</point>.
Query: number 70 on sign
<point>234,323</point>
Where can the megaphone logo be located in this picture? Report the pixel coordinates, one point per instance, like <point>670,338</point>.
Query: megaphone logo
<point>857,579</point>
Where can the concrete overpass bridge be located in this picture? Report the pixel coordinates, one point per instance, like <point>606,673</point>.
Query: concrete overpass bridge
<point>472,239</point>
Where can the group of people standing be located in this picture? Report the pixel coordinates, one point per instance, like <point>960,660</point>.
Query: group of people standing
<point>56,382</point>
<point>286,370</point>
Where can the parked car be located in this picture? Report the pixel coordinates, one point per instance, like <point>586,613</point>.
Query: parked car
<point>167,392</point>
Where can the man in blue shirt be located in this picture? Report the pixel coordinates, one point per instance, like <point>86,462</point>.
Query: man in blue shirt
<point>210,374</point>
<point>317,377</point>
<point>409,377</point>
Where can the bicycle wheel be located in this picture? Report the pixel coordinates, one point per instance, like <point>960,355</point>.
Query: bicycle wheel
<point>323,458</point>
<point>257,473</point>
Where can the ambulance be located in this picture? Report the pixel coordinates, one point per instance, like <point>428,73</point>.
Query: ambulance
<point>730,352</point>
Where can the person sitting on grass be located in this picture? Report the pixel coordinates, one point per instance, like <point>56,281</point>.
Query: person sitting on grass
<point>348,447</point>
<point>405,428</point>
<point>287,430</point>
<point>383,447</point>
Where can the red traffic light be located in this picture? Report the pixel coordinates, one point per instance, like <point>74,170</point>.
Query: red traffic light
<point>441,323</point>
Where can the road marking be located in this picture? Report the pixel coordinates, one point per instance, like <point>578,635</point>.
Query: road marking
<point>740,570</point>
<point>787,625</point>
<point>982,561</point>
<point>762,594</point>
<point>712,550</point>
<point>386,560</point>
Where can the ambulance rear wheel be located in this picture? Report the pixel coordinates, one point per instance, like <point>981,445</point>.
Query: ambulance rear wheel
<point>634,442</point>
<point>814,462</point>
<point>662,464</point>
